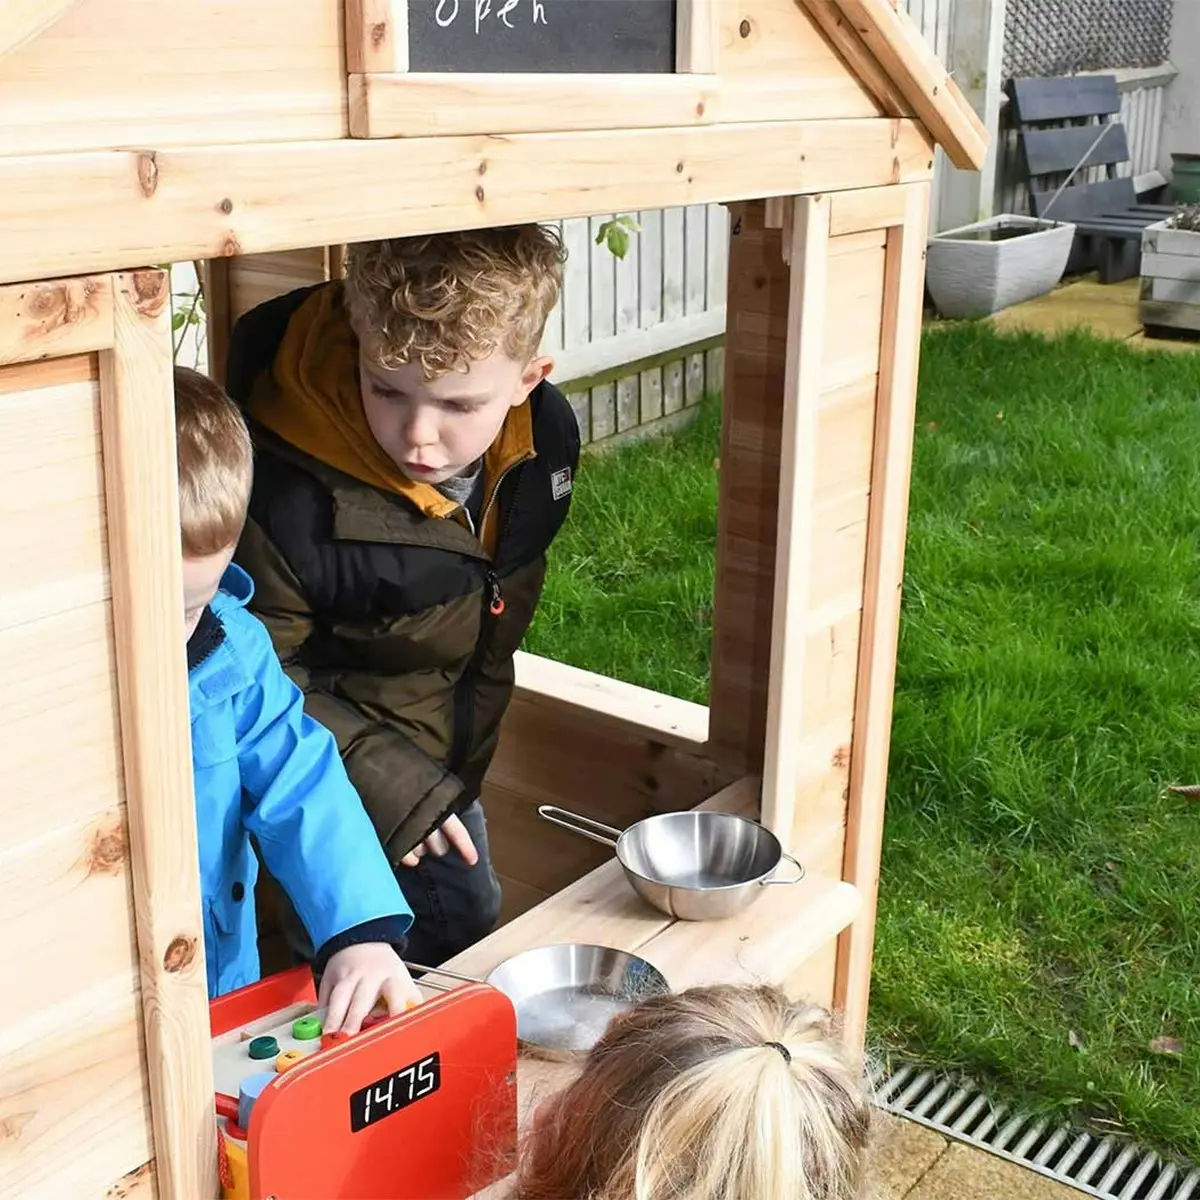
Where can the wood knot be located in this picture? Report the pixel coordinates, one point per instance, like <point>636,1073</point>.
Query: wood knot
<point>230,247</point>
<point>479,193</point>
<point>151,292</point>
<point>147,173</point>
<point>46,302</point>
<point>12,1127</point>
<point>55,305</point>
<point>378,34</point>
<point>700,109</point>
<point>226,206</point>
<point>483,166</point>
<point>107,851</point>
<point>132,1184</point>
<point>180,954</point>
<point>744,29</point>
<point>679,168</point>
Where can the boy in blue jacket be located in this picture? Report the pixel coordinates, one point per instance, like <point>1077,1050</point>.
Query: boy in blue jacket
<point>262,768</point>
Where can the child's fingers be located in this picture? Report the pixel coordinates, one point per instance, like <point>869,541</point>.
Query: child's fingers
<point>327,981</point>
<point>456,833</point>
<point>400,993</point>
<point>339,1002</point>
<point>414,856</point>
<point>361,1003</point>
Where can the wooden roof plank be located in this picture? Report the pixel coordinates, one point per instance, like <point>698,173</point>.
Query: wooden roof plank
<point>912,69</point>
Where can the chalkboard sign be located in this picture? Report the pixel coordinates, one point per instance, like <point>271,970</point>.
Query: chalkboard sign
<point>547,36</point>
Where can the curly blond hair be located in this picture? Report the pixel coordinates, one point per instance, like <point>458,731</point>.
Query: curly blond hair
<point>443,300</point>
<point>715,1093</point>
<point>216,465</point>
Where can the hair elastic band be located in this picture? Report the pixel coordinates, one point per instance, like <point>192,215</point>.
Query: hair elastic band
<point>787,1054</point>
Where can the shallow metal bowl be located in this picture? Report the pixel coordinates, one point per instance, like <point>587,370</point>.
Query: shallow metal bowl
<point>566,994</point>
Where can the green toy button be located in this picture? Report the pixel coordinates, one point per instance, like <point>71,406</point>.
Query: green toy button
<point>306,1029</point>
<point>263,1047</point>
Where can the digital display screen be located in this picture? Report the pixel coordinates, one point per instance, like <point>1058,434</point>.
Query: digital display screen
<point>395,1091</point>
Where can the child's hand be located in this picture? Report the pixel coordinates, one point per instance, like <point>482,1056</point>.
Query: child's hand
<point>452,833</point>
<point>356,977</point>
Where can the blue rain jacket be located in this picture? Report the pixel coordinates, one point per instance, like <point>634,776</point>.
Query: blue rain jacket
<point>264,768</point>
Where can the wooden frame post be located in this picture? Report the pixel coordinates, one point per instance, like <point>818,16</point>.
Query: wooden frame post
<point>886,532</point>
<point>138,438</point>
<point>808,256</point>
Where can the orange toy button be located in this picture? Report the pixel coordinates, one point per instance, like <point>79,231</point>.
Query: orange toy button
<point>336,1038</point>
<point>288,1059</point>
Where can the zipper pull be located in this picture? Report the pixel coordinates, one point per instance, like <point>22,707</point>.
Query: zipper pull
<point>496,607</point>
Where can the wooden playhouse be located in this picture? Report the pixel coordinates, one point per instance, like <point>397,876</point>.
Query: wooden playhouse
<point>262,136</point>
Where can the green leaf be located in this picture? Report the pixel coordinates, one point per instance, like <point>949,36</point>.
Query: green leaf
<point>178,321</point>
<point>618,241</point>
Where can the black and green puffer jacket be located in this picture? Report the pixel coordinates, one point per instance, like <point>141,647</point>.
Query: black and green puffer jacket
<point>386,617</point>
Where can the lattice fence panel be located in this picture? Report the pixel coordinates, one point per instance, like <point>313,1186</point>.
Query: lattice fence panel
<point>1061,37</point>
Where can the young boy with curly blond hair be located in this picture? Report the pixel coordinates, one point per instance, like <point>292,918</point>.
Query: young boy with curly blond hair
<point>261,767</point>
<point>414,464</point>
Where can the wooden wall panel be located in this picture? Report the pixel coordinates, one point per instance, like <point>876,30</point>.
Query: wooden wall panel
<point>902,302</point>
<point>756,341</point>
<point>73,1097</point>
<point>779,38</point>
<point>51,509</point>
<point>147,74</point>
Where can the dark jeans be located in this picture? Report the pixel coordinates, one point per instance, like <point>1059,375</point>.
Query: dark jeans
<point>454,905</point>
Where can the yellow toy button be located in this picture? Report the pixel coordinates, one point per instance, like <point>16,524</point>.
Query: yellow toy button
<point>288,1059</point>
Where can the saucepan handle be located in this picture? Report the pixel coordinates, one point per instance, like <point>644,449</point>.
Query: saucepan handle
<point>606,835</point>
<point>795,878</point>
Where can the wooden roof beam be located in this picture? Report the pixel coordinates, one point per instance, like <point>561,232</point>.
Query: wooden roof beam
<point>884,47</point>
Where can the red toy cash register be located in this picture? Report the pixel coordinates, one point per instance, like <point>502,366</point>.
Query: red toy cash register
<point>421,1106</point>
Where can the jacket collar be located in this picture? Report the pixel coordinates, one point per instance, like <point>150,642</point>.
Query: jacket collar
<point>222,674</point>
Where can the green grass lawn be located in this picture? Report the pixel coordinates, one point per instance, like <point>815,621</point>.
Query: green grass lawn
<point>1040,906</point>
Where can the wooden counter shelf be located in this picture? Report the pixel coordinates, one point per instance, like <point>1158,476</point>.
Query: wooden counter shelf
<point>768,942</point>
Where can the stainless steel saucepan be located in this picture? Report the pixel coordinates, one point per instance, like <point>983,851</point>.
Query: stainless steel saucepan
<point>565,995</point>
<point>696,866</point>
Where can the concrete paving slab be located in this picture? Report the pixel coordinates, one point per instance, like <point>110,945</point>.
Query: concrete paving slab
<point>964,1173</point>
<point>904,1152</point>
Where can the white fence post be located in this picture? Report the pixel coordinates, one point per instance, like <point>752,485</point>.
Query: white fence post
<point>976,61</point>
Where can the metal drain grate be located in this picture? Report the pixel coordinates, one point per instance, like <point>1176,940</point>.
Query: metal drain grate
<point>1109,1167</point>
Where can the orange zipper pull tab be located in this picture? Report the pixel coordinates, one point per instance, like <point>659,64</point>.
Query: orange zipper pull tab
<point>497,605</point>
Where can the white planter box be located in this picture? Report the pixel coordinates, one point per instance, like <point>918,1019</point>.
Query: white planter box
<point>970,274</point>
<point>1170,294</point>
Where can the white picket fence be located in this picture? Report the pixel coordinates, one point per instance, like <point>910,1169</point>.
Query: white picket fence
<point>634,335</point>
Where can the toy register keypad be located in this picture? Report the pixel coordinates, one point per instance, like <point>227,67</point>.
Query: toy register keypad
<point>279,1042</point>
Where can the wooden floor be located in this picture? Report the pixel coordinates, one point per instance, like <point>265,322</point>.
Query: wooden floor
<point>1109,310</point>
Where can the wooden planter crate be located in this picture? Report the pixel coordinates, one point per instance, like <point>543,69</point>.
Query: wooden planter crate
<point>1170,295</point>
<point>261,138</point>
